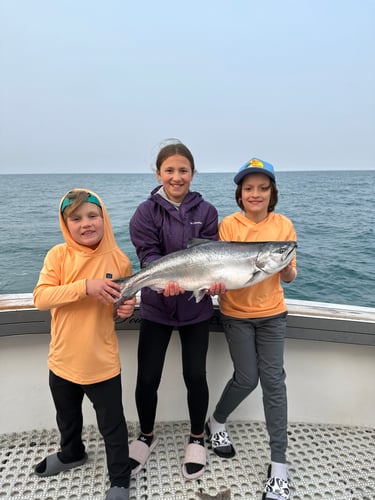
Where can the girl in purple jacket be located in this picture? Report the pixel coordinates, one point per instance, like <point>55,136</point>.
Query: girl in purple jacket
<point>162,224</point>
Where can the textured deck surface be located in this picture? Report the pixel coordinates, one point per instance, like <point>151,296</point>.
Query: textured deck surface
<point>326,462</point>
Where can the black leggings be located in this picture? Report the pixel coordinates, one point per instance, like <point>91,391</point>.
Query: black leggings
<point>106,398</point>
<point>153,342</point>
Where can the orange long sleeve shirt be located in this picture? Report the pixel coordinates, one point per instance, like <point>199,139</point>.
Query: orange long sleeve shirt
<point>83,347</point>
<point>267,297</point>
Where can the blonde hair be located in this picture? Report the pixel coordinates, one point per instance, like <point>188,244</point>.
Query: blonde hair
<point>75,199</point>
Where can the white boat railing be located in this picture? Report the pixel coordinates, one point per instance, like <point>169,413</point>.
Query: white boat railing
<point>329,361</point>
<point>306,320</point>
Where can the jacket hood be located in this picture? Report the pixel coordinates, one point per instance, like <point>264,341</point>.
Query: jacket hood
<point>241,218</point>
<point>108,242</point>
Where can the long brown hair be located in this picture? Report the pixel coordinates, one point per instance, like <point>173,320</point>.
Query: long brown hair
<point>174,149</point>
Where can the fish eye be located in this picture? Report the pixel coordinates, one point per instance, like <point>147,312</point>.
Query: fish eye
<point>282,249</point>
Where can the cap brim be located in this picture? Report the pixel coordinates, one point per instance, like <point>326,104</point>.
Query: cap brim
<point>252,170</point>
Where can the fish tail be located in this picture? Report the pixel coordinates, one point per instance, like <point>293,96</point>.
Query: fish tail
<point>123,298</point>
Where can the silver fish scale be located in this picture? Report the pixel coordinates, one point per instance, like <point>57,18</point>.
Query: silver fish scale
<point>236,264</point>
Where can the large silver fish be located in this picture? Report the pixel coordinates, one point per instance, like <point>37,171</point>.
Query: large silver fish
<point>204,262</point>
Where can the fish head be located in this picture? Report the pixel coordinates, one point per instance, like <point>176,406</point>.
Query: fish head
<point>275,255</point>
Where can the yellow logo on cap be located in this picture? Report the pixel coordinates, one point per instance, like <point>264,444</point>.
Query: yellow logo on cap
<point>256,163</point>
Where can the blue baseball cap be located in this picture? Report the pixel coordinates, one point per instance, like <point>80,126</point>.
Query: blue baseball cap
<point>255,165</point>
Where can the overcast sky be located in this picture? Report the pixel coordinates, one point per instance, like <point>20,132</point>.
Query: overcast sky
<point>95,86</point>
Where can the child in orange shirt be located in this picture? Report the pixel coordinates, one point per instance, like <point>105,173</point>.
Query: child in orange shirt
<point>76,284</point>
<point>254,321</point>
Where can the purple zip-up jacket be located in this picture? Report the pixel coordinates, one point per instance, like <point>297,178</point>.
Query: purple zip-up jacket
<point>157,228</point>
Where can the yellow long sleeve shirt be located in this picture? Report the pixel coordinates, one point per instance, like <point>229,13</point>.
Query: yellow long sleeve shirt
<point>83,347</point>
<point>267,297</point>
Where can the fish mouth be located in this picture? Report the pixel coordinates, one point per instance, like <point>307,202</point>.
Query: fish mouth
<point>292,249</point>
<point>285,257</point>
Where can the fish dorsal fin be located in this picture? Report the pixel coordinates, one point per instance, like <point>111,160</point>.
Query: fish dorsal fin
<point>197,241</point>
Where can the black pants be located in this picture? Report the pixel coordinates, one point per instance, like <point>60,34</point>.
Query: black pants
<point>106,398</point>
<point>153,342</point>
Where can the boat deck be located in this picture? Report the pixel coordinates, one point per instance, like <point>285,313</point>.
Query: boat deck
<point>326,462</point>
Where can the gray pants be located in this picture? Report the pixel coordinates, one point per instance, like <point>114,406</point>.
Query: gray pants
<point>257,350</point>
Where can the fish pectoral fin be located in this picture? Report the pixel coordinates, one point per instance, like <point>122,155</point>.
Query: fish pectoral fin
<point>252,277</point>
<point>198,294</point>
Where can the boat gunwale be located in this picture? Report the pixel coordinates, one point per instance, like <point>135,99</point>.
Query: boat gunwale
<point>307,320</point>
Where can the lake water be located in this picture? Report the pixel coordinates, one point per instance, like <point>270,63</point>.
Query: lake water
<point>333,213</point>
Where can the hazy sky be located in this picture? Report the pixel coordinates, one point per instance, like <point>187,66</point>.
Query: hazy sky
<point>95,86</point>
